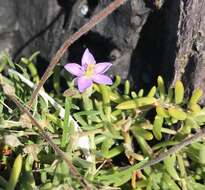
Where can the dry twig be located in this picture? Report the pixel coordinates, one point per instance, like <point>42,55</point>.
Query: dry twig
<point>194,138</point>
<point>45,136</point>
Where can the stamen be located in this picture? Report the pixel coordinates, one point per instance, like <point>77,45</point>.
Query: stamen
<point>89,70</point>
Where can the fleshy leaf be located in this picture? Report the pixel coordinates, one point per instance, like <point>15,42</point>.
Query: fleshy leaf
<point>152,91</point>
<point>161,87</point>
<point>179,92</point>
<point>157,126</point>
<point>196,96</point>
<point>162,112</point>
<point>129,104</point>
<point>177,113</point>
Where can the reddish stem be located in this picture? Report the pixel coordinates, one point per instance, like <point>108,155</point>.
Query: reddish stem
<point>46,137</point>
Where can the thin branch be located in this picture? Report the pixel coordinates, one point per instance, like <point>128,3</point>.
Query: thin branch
<point>196,137</point>
<point>83,141</point>
<point>45,136</point>
<point>93,21</point>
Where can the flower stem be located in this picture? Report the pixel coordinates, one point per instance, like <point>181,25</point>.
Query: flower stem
<point>66,122</point>
<point>88,106</point>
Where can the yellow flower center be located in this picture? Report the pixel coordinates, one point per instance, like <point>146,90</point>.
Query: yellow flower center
<point>90,70</point>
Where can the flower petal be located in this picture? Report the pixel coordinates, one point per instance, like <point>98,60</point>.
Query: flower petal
<point>84,83</point>
<point>101,68</point>
<point>102,79</point>
<point>74,68</point>
<point>87,58</point>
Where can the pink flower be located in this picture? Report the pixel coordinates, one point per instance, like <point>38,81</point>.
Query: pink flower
<point>89,71</point>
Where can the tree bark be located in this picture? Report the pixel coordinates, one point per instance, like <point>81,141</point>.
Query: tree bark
<point>190,58</point>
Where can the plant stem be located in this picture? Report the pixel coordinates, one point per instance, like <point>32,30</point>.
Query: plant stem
<point>182,171</point>
<point>196,137</point>
<point>45,136</point>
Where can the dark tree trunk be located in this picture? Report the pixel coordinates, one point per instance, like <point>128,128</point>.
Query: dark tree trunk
<point>190,57</point>
<point>172,43</point>
<point>144,38</point>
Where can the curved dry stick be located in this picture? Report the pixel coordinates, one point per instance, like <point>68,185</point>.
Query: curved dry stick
<point>83,141</point>
<point>45,136</point>
<point>196,137</point>
<point>93,21</point>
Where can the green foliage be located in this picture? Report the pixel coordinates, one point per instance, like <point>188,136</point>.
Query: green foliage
<point>179,92</point>
<point>15,173</point>
<point>124,131</point>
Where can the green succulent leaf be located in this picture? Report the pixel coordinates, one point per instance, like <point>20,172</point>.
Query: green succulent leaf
<point>177,113</point>
<point>199,117</point>
<point>157,126</point>
<point>190,123</point>
<point>138,130</point>
<point>170,95</point>
<point>152,92</point>
<point>138,102</point>
<point>161,87</point>
<point>129,104</point>
<point>179,92</point>
<point>162,112</point>
<point>145,101</point>
<point>197,94</point>
<point>170,163</point>
<point>140,93</point>
<point>15,173</point>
